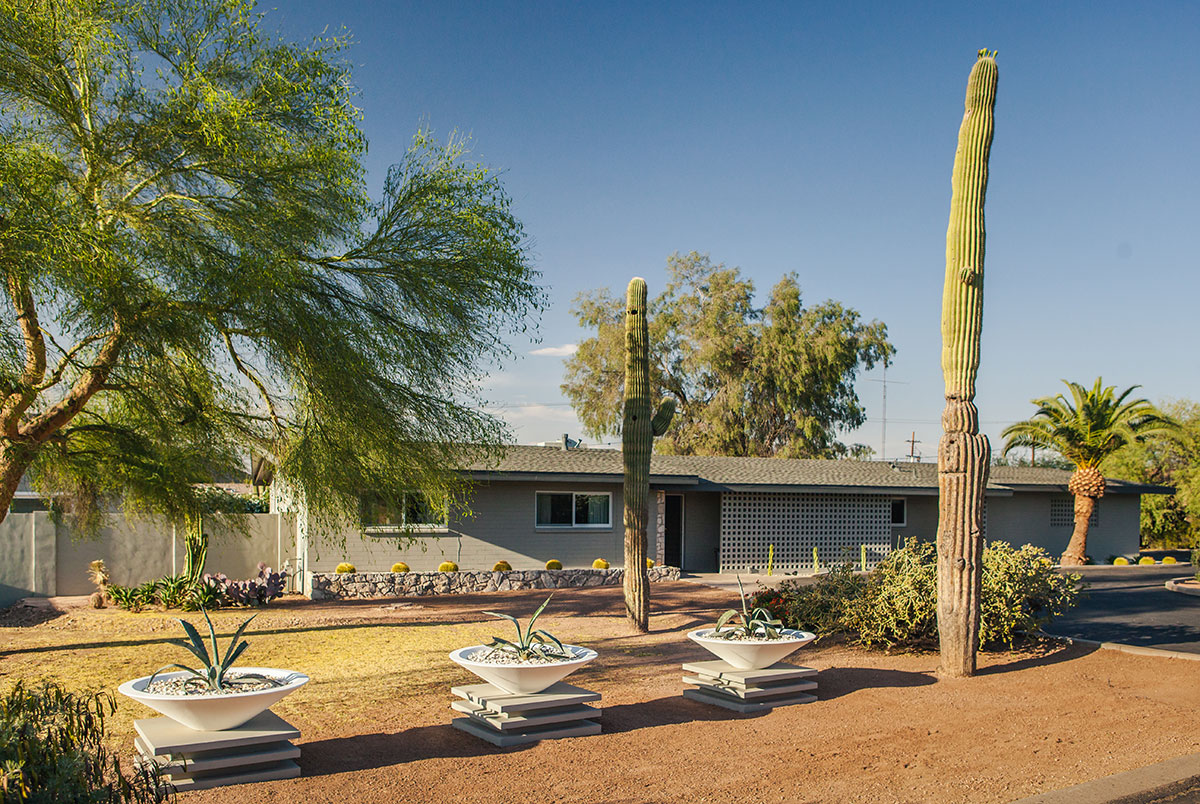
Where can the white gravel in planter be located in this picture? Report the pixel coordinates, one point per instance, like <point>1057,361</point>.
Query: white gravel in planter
<point>493,656</point>
<point>195,687</point>
<point>723,635</point>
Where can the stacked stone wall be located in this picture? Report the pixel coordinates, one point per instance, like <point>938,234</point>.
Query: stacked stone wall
<point>351,585</point>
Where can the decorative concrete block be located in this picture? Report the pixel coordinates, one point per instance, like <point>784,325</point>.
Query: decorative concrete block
<point>721,684</point>
<point>505,719</point>
<point>258,751</point>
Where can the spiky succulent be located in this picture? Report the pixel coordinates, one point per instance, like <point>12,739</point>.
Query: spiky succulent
<point>214,671</point>
<point>530,644</point>
<point>758,623</point>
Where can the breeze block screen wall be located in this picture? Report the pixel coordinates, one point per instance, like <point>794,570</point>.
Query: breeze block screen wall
<point>838,525</point>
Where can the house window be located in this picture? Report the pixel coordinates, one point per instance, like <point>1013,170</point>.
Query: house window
<point>1062,513</point>
<point>573,509</point>
<point>413,511</point>
<point>899,512</point>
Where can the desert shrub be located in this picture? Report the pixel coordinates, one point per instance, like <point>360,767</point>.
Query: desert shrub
<point>553,564</point>
<point>599,563</point>
<point>257,591</point>
<point>173,590</point>
<point>208,594</point>
<point>52,749</point>
<point>345,568</point>
<point>1021,592</point>
<point>399,566</point>
<point>501,566</point>
<point>897,606</point>
<point>819,606</point>
<point>447,566</point>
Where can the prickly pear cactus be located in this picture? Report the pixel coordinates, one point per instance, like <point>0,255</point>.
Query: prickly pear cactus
<point>964,454</point>
<point>639,427</point>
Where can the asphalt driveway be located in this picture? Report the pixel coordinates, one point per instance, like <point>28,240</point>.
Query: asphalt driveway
<point>1131,605</point>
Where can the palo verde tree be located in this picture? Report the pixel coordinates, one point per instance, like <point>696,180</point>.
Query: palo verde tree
<point>1087,429</point>
<point>748,381</point>
<point>194,269</point>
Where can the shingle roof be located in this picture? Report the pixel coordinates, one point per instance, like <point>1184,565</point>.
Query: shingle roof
<point>521,462</point>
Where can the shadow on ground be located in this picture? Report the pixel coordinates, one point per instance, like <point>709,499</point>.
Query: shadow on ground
<point>1047,654</point>
<point>367,751</point>
<point>838,681</point>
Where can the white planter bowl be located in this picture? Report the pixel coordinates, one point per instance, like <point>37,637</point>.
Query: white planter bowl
<point>214,712</point>
<point>744,655</point>
<point>523,679</point>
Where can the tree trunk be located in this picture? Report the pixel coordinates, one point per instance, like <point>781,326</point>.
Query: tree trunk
<point>963,460</point>
<point>1076,553</point>
<point>13,463</point>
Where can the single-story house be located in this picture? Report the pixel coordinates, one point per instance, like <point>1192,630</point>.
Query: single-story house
<point>716,514</point>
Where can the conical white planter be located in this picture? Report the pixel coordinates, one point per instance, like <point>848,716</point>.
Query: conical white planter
<point>745,655</point>
<point>523,679</point>
<point>214,712</point>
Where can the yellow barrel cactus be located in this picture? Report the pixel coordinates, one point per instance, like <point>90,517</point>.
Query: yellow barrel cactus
<point>447,566</point>
<point>344,568</point>
<point>501,566</point>
<point>554,563</point>
<point>399,566</point>
<point>599,563</point>
<point>1121,561</point>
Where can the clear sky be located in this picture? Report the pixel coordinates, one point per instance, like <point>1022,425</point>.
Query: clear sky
<point>819,138</point>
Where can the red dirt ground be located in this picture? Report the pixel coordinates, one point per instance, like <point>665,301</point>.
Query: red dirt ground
<point>886,728</point>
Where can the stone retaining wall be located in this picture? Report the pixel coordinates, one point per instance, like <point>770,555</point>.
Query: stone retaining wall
<point>343,586</point>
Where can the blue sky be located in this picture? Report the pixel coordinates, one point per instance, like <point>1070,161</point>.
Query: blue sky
<point>819,138</point>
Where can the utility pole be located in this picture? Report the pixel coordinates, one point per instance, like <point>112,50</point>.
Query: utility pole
<point>912,447</point>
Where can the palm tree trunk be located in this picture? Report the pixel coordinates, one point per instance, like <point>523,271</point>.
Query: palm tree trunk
<point>1076,553</point>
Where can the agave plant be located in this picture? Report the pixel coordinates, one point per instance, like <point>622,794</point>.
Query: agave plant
<point>757,623</point>
<point>214,672</point>
<point>530,644</point>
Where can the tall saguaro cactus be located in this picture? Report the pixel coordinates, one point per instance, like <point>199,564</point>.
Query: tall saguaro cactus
<point>963,453</point>
<point>638,430</point>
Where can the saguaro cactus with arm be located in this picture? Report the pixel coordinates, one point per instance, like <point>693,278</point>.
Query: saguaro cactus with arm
<point>638,430</point>
<point>964,454</point>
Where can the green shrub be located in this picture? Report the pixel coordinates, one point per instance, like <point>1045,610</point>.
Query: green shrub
<point>345,568</point>
<point>52,749</point>
<point>553,564</point>
<point>173,590</point>
<point>1021,592</point>
<point>819,606</point>
<point>447,566</point>
<point>898,604</point>
<point>895,606</point>
<point>599,563</point>
<point>502,566</point>
<point>399,566</point>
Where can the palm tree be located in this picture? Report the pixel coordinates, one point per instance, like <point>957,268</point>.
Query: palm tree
<point>1085,430</point>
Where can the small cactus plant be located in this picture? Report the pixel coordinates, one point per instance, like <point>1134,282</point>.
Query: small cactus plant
<point>399,566</point>
<point>502,566</point>
<point>554,563</point>
<point>599,563</point>
<point>447,566</point>
<point>1121,561</point>
<point>1145,560</point>
<point>1169,560</point>
<point>649,563</point>
<point>344,568</point>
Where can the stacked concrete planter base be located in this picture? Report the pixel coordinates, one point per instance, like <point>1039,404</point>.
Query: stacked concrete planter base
<point>343,586</point>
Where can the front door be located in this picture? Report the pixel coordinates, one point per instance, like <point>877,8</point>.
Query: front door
<point>673,531</point>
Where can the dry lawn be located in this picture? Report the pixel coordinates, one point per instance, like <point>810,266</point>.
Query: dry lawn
<point>375,718</point>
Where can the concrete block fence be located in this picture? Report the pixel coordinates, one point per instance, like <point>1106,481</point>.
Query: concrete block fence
<point>351,585</point>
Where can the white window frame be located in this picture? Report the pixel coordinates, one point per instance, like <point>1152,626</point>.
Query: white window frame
<point>903,524</point>
<point>573,494</point>
<point>404,527</point>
